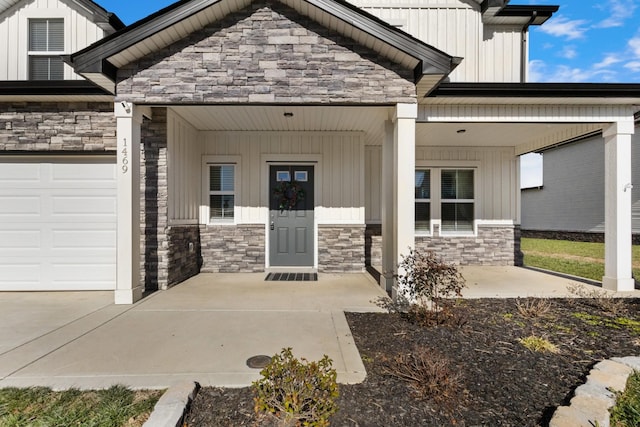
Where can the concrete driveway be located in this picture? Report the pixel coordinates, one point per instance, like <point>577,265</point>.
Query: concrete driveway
<point>206,328</point>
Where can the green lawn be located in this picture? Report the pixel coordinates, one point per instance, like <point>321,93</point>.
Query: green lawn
<point>576,258</point>
<point>40,407</point>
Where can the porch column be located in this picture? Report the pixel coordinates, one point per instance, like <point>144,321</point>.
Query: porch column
<point>399,161</point>
<point>128,121</point>
<point>617,206</point>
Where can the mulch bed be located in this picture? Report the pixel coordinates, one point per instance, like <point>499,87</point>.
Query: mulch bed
<point>501,383</point>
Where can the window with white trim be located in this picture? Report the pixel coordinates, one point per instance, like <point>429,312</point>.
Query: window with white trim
<point>46,44</point>
<point>447,196</point>
<point>222,195</point>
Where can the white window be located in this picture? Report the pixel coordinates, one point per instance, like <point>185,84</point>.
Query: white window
<point>447,196</point>
<point>222,195</point>
<point>46,44</point>
<point>457,200</point>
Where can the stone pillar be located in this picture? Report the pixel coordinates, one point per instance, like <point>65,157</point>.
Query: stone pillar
<point>128,121</point>
<point>404,159</point>
<point>617,206</point>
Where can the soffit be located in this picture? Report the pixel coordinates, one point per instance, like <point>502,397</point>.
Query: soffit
<point>369,120</point>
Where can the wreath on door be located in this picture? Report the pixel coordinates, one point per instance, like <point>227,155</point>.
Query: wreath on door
<point>288,194</point>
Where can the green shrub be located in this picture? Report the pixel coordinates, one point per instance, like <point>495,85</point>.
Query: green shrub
<point>425,279</point>
<point>297,392</point>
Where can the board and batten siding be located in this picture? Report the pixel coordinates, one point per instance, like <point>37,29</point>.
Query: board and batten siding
<point>184,158</point>
<point>496,198</point>
<point>339,196</point>
<point>490,53</point>
<point>572,195</point>
<point>79,32</point>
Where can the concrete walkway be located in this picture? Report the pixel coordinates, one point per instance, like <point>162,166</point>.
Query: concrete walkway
<point>205,329</point>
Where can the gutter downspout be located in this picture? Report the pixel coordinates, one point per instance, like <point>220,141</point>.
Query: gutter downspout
<point>523,49</point>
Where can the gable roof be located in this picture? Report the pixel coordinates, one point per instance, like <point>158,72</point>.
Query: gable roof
<point>99,62</point>
<point>106,20</point>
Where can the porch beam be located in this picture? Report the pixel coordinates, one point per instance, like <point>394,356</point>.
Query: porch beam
<point>403,179</point>
<point>128,123</point>
<point>617,217</point>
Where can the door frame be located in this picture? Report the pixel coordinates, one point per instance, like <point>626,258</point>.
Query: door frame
<point>291,159</point>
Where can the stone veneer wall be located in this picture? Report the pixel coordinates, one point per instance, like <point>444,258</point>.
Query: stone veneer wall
<point>373,245</point>
<point>57,126</point>
<point>184,256</point>
<point>341,248</point>
<point>233,248</point>
<point>494,245</point>
<point>265,53</point>
<point>154,245</point>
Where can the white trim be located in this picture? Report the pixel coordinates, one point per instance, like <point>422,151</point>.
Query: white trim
<point>207,160</point>
<point>23,37</point>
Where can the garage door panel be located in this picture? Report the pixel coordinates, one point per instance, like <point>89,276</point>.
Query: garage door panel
<point>11,240</point>
<point>19,274</point>
<point>20,172</point>
<point>84,239</point>
<point>95,175</point>
<point>11,205</point>
<point>83,207</point>
<point>57,225</point>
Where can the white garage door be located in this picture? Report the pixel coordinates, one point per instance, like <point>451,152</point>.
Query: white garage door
<point>57,223</point>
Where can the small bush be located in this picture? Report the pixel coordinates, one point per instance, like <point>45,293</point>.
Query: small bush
<point>533,307</point>
<point>429,374</point>
<point>598,298</point>
<point>425,279</point>
<point>297,392</point>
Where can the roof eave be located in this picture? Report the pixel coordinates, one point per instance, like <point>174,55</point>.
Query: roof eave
<point>537,90</point>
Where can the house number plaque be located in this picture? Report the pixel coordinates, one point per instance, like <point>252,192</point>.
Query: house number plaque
<point>125,156</point>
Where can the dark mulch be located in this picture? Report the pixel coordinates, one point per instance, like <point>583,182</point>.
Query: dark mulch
<point>502,382</point>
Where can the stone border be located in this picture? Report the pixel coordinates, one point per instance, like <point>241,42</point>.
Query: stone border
<point>172,406</point>
<point>591,401</point>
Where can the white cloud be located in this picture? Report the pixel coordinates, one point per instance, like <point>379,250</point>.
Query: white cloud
<point>620,11</point>
<point>608,61</point>
<point>564,27</point>
<point>539,71</point>
<point>634,44</point>
<point>569,52</point>
<point>634,66</point>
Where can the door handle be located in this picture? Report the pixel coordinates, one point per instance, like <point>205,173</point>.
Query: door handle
<point>273,226</point>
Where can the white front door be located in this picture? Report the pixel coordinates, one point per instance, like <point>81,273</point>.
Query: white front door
<point>57,223</point>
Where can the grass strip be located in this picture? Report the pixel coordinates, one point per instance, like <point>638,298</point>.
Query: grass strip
<point>626,412</point>
<point>39,406</point>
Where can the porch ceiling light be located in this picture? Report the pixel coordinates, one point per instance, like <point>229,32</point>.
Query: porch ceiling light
<point>288,114</point>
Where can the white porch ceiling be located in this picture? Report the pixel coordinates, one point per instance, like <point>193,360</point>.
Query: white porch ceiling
<point>370,121</point>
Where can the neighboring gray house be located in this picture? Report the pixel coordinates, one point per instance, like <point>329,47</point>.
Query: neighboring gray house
<point>262,135</point>
<point>570,203</point>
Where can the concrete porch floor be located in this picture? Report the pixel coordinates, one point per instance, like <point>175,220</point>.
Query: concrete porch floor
<point>206,328</point>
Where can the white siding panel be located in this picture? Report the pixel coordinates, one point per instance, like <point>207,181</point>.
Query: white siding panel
<point>340,170</point>
<point>373,182</point>
<point>183,169</point>
<point>500,54</point>
<point>80,32</point>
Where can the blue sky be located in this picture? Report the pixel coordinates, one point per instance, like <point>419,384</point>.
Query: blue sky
<point>585,41</point>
